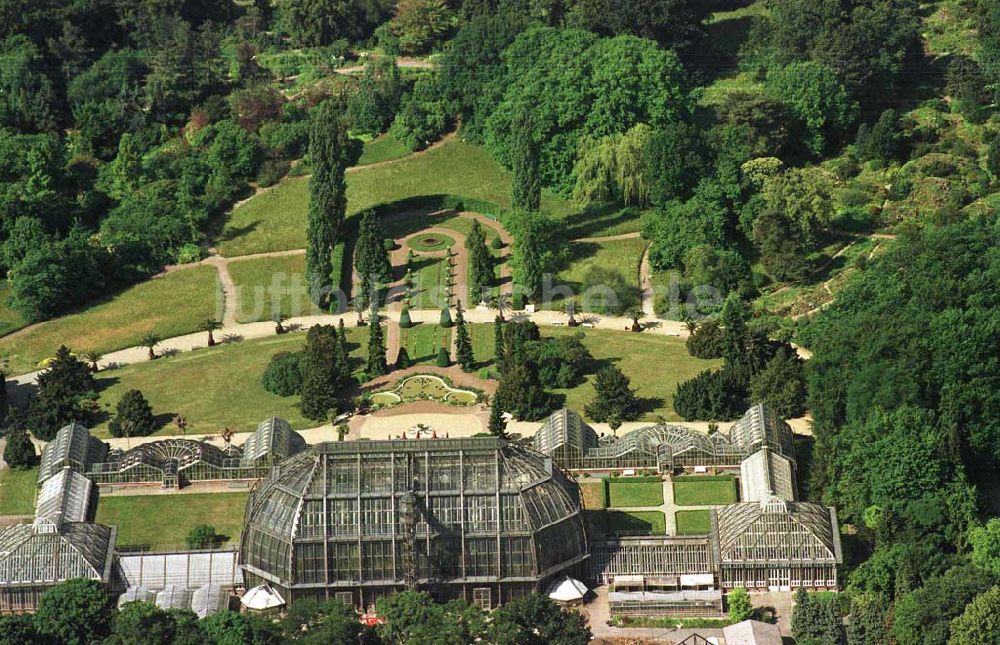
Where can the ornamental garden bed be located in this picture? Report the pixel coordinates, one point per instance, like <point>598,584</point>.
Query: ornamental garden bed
<point>430,242</point>
<point>424,387</point>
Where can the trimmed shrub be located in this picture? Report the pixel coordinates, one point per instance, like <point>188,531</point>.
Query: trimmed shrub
<point>403,359</point>
<point>389,244</point>
<point>202,536</point>
<point>445,318</point>
<point>496,243</point>
<point>443,359</point>
<point>283,375</point>
<point>404,318</point>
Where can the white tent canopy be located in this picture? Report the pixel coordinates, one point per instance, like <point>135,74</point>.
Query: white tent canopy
<point>567,590</point>
<point>262,597</point>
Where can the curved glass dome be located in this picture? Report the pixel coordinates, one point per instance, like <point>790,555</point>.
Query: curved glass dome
<point>479,513</point>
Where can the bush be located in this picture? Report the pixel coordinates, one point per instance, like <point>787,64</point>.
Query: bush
<point>188,253</point>
<point>133,416</point>
<point>388,244</point>
<point>203,536</point>
<point>496,243</point>
<point>445,318</point>
<point>403,359</point>
<point>711,395</point>
<point>20,452</point>
<point>283,375</point>
<point>443,358</point>
<point>404,318</point>
<point>706,341</point>
<point>517,302</point>
<point>286,140</point>
<point>271,172</point>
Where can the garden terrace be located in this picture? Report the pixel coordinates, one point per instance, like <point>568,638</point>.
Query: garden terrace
<point>162,522</point>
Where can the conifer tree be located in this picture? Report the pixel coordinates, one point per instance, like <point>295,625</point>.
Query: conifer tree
<point>329,150</point>
<point>342,335</point>
<point>498,344</point>
<point>133,416</point>
<point>445,320</point>
<point>370,257</point>
<point>527,177</point>
<point>614,401</point>
<point>19,451</point>
<point>497,426</point>
<point>480,263</point>
<point>321,377</point>
<point>126,169</point>
<point>376,346</point>
<point>463,344</point>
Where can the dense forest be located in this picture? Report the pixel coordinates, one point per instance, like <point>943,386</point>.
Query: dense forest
<point>128,129</point>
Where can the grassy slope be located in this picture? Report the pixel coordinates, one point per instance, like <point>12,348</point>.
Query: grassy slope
<point>164,521</point>
<point>655,365</point>
<point>172,305</point>
<point>703,490</point>
<point>276,220</point>
<point>625,494</point>
<point>383,148</point>
<point>619,258</point>
<point>271,285</point>
<point>10,320</point>
<point>17,491</point>
<point>213,388</point>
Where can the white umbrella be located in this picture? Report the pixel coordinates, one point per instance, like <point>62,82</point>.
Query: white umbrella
<point>262,597</point>
<point>567,590</point>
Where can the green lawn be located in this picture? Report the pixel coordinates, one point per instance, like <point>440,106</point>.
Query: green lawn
<point>623,493</point>
<point>383,148</point>
<point>172,305</point>
<point>633,522</point>
<point>162,522</point>
<point>271,285</point>
<point>430,275</point>
<point>213,388</point>
<point>17,491</point>
<point>655,365</point>
<point>10,320</point>
<point>276,219</point>
<point>483,343</point>
<point>612,264</point>
<point>701,490</point>
<point>693,522</point>
<point>423,341</point>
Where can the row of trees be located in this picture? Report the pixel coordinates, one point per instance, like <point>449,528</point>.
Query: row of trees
<point>80,611</point>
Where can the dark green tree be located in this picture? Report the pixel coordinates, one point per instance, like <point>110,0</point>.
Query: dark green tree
<point>403,358</point>
<point>370,256</point>
<point>882,140</point>
<point>525,161</point>
<point>19,629</point>
<point>443,359</point>
<point>329,151</point>
<point>316,622</point>
<point>614,400</point>
<point>19,451</point>
<point>497,426</point>
<point>232,628</point>
<point>706,340</point>
<point>868,621</point>
<point>143,622</point>
<point>480,263</point>
<point>445,318</point>
<point>498,342</point>
<point>283,374</point>
<point>817,98</point>
<point>3,398</point>
<point>815,619</point>
<point>740,607</point>
<point>321,378</point>
<point>536,620</point>
<point>520,392</point>
<point>376,346</point>
<point>980,622</point>
<point>734,318</point>
<point>463,344</point>
<point>65,393</point>
<point>75,612</point>
<point>133,416</point>
<point>781,385</point>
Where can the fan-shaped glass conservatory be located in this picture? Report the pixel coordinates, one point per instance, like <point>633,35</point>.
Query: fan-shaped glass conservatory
<point>476,518</point>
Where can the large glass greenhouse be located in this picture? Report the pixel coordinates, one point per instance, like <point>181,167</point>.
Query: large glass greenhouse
<point>476,518</point>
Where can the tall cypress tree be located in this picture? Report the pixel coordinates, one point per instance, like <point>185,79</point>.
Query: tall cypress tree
<point>376,346</point>
<point>342,335</point>
<point>527,177</point>
<point>330,151</point>
<point>480,263</point>
<point>498,344</point>
<point>321,375</point>
<point>497,426</point>
<point>370,257</point>
<point>463,345</point>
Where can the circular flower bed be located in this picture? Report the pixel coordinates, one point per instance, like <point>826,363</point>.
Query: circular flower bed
<point>430,242</point>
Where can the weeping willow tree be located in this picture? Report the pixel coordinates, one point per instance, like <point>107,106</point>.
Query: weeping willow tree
<point>613,168</point>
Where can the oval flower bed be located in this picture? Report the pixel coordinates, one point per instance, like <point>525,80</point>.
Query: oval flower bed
<point>424,387</point>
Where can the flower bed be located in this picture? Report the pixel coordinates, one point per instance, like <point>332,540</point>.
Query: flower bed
<point>424,387</point>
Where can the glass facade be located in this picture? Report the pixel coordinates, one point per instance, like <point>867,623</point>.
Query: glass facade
<point>446,515</point>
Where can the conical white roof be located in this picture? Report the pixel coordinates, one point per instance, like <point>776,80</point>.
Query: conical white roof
<point>567,589</point>
<point>262,597</point>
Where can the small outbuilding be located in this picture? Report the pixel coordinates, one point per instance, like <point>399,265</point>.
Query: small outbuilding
<point>752,632</point>
<point>262,599</point>
<point>567,591</point>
